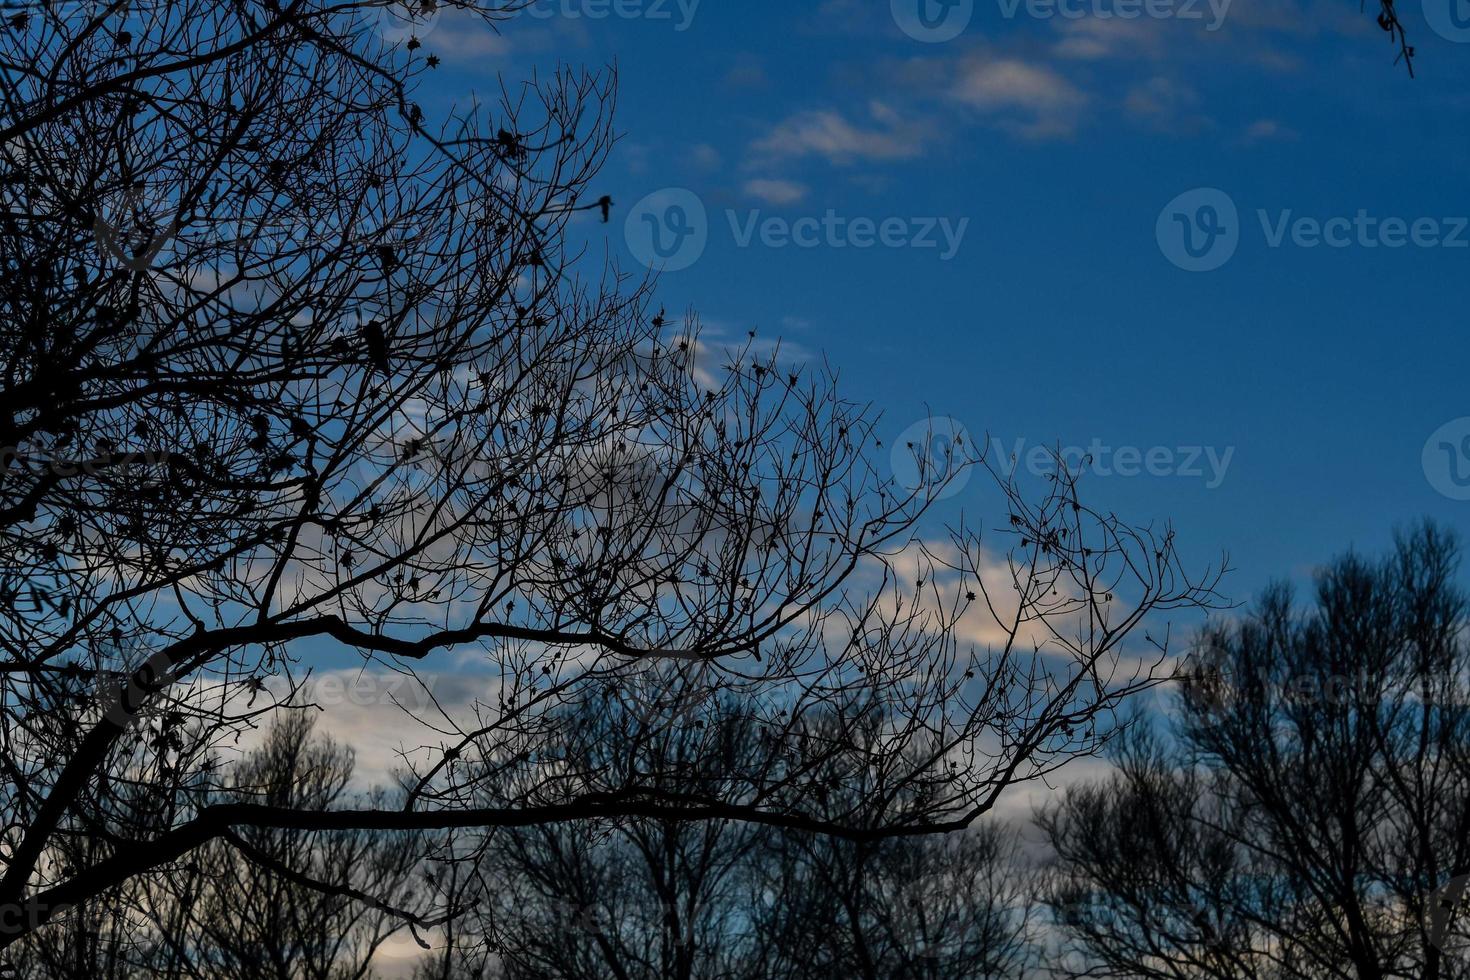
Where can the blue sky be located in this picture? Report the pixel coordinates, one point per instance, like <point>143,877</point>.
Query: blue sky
<point>1055,137</point>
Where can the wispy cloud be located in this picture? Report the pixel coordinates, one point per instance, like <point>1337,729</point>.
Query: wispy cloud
<point>748,72</point>
<point>702,156</point>
<point>1267,130</point>
<point>465,40</point>
<point>1166,104</point>
<point>776,192</point>
<point>1042,102</point>
<point>1094,39</point>
<point>827,134</point>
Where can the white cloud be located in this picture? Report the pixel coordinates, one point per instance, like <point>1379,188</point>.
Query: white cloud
<point>381,715</point>
<point>776,192</point>
<point>1093,38</point>
<point>1265,130</point>
<point>829,135</point>
<point>1008,85</point>
<point>463,38</point>
<point>705,157</point>
<point>748,72</point>
<point>1164,102</point>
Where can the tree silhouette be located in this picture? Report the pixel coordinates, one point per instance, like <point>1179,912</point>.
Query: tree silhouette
<point>652,898</point>
<point>1389,23</point>
<point>242,909</point>
<point>1310,821</point>
<point>291,364</point>
<point>255,912</point>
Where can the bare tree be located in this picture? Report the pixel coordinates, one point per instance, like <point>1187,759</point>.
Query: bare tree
<point>636,897</point>
<point>255,912</point>
<point>649,898</point>
<point>107,939</point>
<point>933,907</point>
<point>1313,819</point>
<point>239,908</point>
<point>285,362</point>
<point>1390,24</point>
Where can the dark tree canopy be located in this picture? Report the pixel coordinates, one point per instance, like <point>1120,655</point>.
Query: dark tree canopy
<point>1308,814</point>
<point>241,908</point>
<point>654,898</point>
<point>289,364</point>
